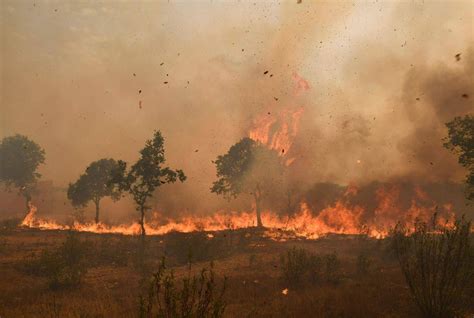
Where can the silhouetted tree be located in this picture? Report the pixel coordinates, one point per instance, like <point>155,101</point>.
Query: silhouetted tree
<point>147,174</point>
<point>460,141</point>
<point>19,161</point>
<point>250,167</point>
<point>94,185</point>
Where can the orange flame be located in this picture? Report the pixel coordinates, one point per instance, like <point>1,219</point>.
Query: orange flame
<point>277,131</point>
<point>340,218</point>
<point>29,219</point>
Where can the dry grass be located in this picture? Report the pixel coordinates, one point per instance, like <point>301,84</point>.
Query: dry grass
<point>112,285</point>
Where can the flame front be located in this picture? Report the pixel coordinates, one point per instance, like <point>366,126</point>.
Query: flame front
<point>342,217</point>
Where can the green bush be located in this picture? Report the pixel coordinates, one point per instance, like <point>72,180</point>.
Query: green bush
<point>437,264</point>
<point>64,266</point>
<point>195,297</point>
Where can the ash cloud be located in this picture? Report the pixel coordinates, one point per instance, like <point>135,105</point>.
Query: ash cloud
<point>88,81</point>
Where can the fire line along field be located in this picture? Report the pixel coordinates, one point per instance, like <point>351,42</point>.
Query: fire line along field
<point>208,159</point>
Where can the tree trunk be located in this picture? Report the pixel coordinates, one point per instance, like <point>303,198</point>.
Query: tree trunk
<point>27,201</point>
<point>142,220</point>
<point>257,195</point>
<point>97,211</point>
<point>259,217</point>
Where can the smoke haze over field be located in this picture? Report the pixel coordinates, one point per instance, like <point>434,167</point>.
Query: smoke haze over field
<point>94,79</point>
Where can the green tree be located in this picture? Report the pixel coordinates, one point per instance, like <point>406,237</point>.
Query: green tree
<point>460,141</point>
<point>94,185</point>
<point>146,175</point>
<point>19,161</point>
<point>249,167</point>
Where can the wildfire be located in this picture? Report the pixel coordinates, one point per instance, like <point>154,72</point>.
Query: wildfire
<point>342,217</point>
<point>30,216</point>
<point>277,131</point>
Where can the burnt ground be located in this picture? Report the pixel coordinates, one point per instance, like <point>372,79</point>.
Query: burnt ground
<point>251,263</point>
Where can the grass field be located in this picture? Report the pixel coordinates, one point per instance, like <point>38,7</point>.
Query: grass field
<point>117,274</point>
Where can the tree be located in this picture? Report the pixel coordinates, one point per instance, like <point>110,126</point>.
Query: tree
<point>146,175</point>
<point>94,185</point>
<point>19,161</point>
<point>460,141</point>
<point>247,166</point>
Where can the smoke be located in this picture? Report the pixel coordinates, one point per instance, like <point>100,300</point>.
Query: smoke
<point>89,80</point>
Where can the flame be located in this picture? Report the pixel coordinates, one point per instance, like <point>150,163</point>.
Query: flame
<point>278,131</point>
<point>342,217</point>
<point>30,217</point>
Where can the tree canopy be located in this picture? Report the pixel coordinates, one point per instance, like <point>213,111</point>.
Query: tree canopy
<point>249,167</point>
<point>146,175</point>
<point>460,141</point>
<point>94,184</point>
<point>19,161</point>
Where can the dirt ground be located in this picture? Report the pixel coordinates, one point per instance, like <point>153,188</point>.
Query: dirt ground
<point>251,263</point>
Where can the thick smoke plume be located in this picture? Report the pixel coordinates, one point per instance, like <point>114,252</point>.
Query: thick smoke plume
<point>88,81</point>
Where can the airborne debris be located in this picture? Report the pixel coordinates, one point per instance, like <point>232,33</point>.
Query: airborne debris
<point>196,150</point>
<point>265,73</point>
<point>465,96</point>
<point>161,64</point>
<point>458,57</point>
<point>299,1</point>
<point>275,98</point>
<point>165,82</point>
<point>139,91</point>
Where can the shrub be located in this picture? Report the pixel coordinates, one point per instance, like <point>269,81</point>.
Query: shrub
<point>64,266</point>
<point>437,264</point>
<point>3,245</point>
<point>8,225</point>
<point>332,268</point>
<point>298,265</point>
<point>363,264</point>
<point>252,260</point>
<point>196,247</point>
<point>196,296</point>
<point>109,251</point>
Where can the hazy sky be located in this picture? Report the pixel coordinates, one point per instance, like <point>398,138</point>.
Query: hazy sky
<point>382,74</point>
